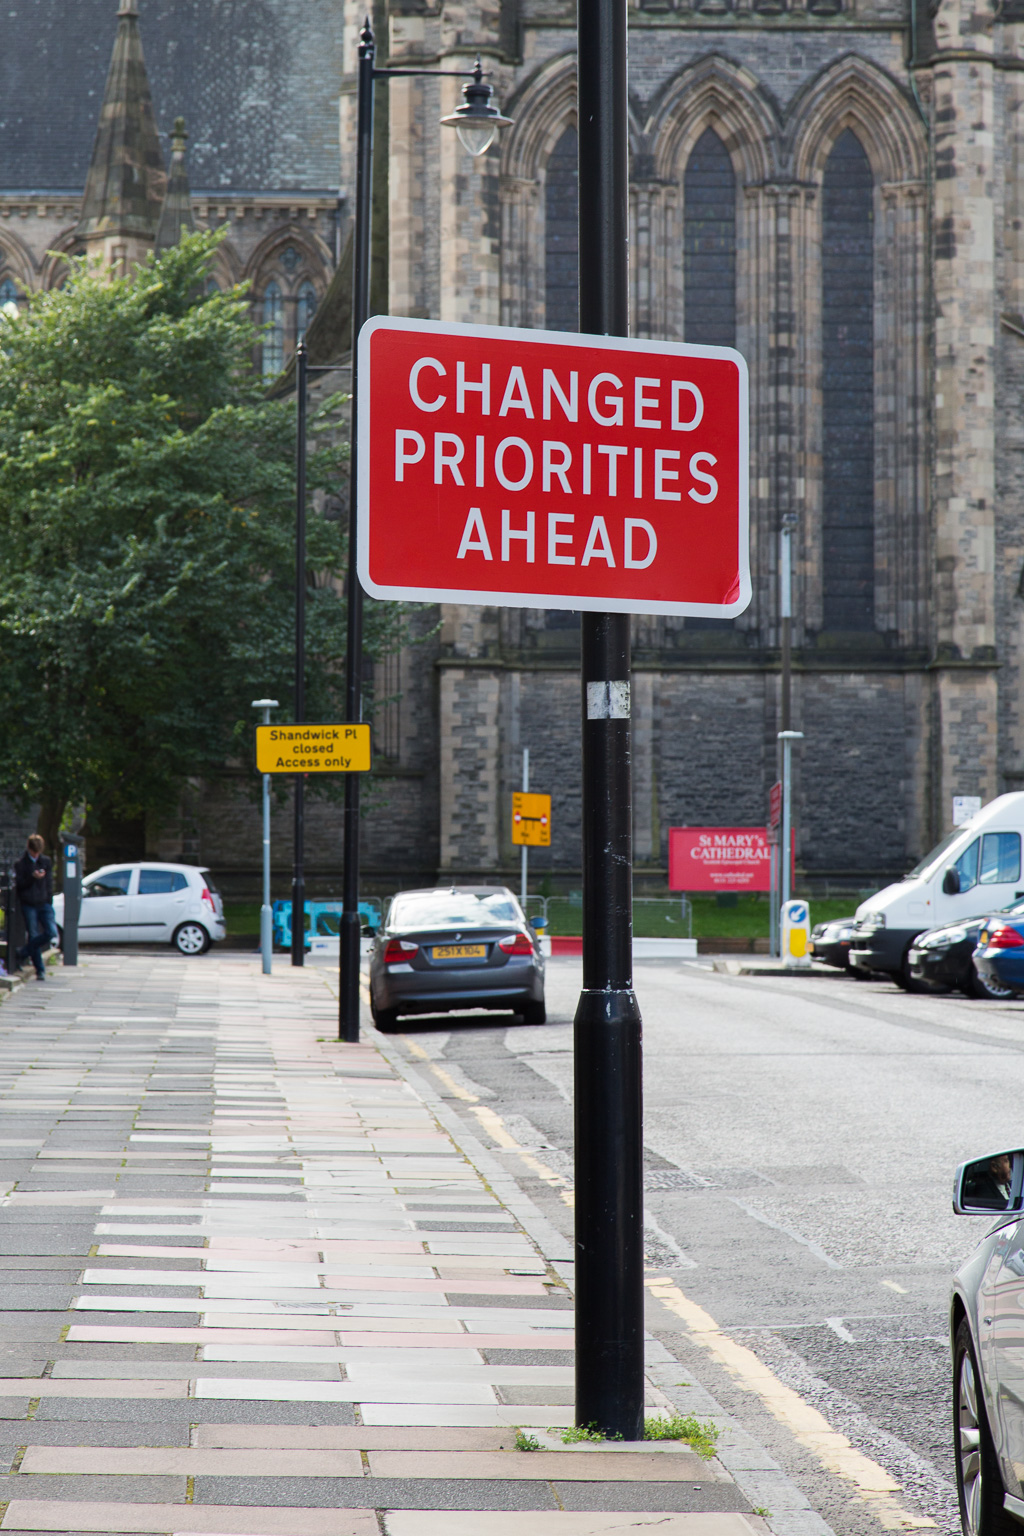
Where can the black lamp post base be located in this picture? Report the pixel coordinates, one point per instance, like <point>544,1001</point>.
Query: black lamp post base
<point>609,1214</point>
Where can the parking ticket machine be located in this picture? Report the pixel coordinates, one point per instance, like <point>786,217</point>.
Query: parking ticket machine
<point>72,873</point>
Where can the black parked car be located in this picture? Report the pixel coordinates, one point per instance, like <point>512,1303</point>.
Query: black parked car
<point>943,958</point>
<point>830,943</point>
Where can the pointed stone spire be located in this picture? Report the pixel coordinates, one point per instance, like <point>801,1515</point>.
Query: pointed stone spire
<point>125,185</point>
<point>176,214</point>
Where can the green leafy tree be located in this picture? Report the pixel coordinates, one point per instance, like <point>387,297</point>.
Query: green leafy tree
<point>147,535</point>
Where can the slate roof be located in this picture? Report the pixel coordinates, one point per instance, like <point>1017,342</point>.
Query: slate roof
<point>256,80</point>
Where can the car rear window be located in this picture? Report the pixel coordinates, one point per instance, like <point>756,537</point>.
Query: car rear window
<point>160,882</point>
<point>442,909</point>
<point>210,886</point>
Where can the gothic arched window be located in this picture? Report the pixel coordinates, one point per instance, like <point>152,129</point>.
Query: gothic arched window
<point>305,308</point>
<point>848,388</point>
<point>8,293</point>
<point>709,244</point>
<point>561,236</point>
<point>709,262</point>
<point>273,337</point>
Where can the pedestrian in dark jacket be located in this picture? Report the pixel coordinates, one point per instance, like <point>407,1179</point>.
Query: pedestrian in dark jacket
<point>33,879</point>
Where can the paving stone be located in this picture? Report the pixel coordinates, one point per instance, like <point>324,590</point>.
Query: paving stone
<point>378,1493</point>
<point>552,1466</point>
<point>189,1410</point>
<point>145,1461</point>
<point>526,1396</point>
<point>77,1433</point>
<point>540,1357</point>
<point>154,1489</point>
<point>115,1519</point>
<point>359,1437</point>
<point>37,1298</point>
<point>562,1523</point>
<point>651,1496</point>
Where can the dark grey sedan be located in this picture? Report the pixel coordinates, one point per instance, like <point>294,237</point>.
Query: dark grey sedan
<point>466,946</point>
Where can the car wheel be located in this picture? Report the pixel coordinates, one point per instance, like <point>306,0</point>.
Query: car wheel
<point>903,978</point>
<point>978,1483</point>
<point>191,939</point>
<point>532,1013</point>
<point>386,1019</point>
<point>978,986</point>
<point>859,973</point>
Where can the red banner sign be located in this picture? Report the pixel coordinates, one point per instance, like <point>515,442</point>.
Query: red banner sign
<point>719,859</point>
<point>543,470</point>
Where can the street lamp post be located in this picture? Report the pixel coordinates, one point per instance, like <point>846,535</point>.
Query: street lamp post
<point>476,122</point>
<point>299,870</point>
<point>785,852</point>
<point>266,915</point>
<point>606,1030</point>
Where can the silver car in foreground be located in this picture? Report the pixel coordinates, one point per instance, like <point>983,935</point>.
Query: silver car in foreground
<point>466,946</point>
<point>987,1331</point>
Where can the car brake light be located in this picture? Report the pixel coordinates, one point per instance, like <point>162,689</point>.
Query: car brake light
<point>208,899</point>
<point>398,950</point>
<point>1005,938</point>
<point>516,944</point>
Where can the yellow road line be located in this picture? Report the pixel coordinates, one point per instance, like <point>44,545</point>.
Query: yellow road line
<point>494,1125</point>
<point>871,1482</point>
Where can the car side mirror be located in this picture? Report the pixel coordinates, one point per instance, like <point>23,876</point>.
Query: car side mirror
<point>989,1185</point>
<point>951,883</point>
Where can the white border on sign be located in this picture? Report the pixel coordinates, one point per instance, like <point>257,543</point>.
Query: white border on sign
<point>499,597</point>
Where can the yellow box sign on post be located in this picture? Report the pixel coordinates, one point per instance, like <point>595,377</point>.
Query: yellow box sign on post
<point>531,820</point>
<point>312,749</point>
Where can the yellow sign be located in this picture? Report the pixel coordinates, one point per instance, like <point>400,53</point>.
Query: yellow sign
<point>312,749</point>
<point>531,820</point>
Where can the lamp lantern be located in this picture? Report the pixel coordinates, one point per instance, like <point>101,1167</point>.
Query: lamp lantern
<point>476,122</point>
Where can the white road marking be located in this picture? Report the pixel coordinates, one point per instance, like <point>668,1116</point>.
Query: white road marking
<point>836,1324</point>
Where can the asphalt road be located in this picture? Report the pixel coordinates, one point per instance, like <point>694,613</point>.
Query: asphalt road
<point>800,1142</point>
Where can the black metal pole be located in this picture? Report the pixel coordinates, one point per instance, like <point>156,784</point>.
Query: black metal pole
<point>348,947</point>
<point>608,1087</point>
<point>299,871</point>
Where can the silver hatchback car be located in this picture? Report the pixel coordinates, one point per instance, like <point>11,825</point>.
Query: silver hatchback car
<point>987,1333</point>
<point>465,946</point>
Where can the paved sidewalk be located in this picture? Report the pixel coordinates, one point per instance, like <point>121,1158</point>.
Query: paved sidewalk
<point>253,1286</point>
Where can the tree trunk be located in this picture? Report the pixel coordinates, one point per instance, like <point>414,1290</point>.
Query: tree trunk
<point>51,814</point>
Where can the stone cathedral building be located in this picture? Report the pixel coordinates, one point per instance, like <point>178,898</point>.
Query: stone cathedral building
<point>835,187</point>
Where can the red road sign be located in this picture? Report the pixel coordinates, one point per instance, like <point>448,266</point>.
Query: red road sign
<point>545,470</point>
<point>775,805</point>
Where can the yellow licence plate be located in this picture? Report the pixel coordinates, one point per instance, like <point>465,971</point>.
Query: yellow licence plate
<point>459,952</point>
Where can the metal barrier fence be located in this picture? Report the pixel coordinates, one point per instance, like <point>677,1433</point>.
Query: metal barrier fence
<point>12,932</point>
<point>654,917</point>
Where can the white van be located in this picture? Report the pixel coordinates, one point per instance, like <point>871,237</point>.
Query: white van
<point>974,871</point>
